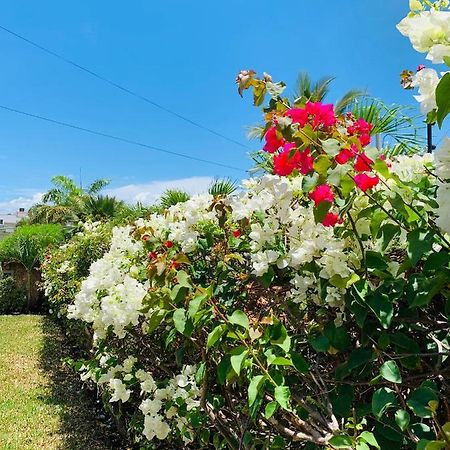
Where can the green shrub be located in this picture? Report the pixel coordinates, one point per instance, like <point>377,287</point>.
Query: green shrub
<point>12,298</point>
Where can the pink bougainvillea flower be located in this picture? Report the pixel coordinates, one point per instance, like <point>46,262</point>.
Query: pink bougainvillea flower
<point>331,220</point>
<point>298,115</point>
<point>360,126</point>
<point>346,154</point>
<point>306,164</point>
<point>287,161</point>
<point>145,237</point>
<point>366,182</point>
<point>322,115</point>
<point>237,233</point>
<point>152,255</point>
<point>363,163</point>
<point>168,244</point>
<point>288,146</point>
<point>322,193</point>
<point>273,142</point>
<point>364,139</point>
<point>284,163</point>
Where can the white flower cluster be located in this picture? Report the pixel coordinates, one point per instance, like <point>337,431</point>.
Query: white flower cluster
<point>111,296</point>
<point>285,234</point>
<point>443,193</point>
<point>160,402</point>
<point>429,32</point>
<point>181,222</point>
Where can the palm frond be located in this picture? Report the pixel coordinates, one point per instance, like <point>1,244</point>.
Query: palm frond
<point>97,185</point>
<point>393,123</point>
<point>347,100</point>
<point>173,196</point>
<point>321,89</point>
<point>222,187</point>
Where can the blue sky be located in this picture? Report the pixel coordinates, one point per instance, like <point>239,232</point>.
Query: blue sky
<point>184,55</point>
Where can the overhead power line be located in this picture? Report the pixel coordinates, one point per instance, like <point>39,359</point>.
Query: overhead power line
<point>123,88</point>
<point>120,139</point>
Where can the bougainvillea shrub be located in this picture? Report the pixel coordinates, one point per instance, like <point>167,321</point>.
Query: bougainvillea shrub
<point>309,310</point>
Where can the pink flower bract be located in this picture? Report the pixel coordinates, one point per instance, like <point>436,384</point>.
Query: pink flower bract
<point>363,163</point>
<point>331,220</point>
<point>366,182</point>
<point>322,193</point>
<point>273,142</point>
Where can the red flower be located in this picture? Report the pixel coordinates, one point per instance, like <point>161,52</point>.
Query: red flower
<point>152,255</point>
<point>322,193</point>
<point>365,182</point>
<point>364,139</point>
<point>169,244</point>
<point>236,233</point>
<point>331,220</point>
<point>298,115</point>
<point>315,113</point>
<point>345,154</point>
<point>287,161</point>
<point>174,265</point>
<point>273,142</point>
<point>322,115</point>
<point>146,237</point>
<point>360,126</point>
<point>363,163</point>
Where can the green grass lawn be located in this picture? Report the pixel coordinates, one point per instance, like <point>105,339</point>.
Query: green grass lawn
<point>42,405</point>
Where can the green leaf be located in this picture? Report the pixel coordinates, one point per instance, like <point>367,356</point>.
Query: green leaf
<point>402,419</point>
<point>375,260</point>
<point>280,361</point>
<point>253,388</point>
<point>319,343</point>
<point>341,441</point>
<point>239,318</point>
<point>443,98</point>
<point>435,445</point>
<point>447,60</point>
<point>215,335</point>
<point>390,372</point>
<point>196,303</point>
<point>321,164</point>
<point>155,320</point>
<point>382,306</point>
<point>275,89</point>
<point>383,399</point>
<point>331,146</point>
<point>183,279</point>
<point>200,374</point>
<point>362,446</point>
<point>300,363</point>
<point>238,356</point>
<point>420,242</point>
<point>280,337</point>
<point>369,438</point>
<point>386,233</point>
<point>270,409</point>
<point>282,396</point>
<point>321,210</point>
<point>182,324</point>
<point>418,402</point>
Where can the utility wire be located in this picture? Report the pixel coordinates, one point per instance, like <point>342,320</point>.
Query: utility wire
<point>120,139</point>
<point>123,88</point>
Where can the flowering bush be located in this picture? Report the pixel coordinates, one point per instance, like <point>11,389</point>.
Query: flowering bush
<point>309,310</point>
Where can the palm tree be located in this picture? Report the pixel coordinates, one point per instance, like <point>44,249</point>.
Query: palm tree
<point>101,207</point>
<point>65,202</point>
<point>66,191</point>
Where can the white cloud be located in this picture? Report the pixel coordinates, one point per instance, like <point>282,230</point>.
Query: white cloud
<point>13,205</point>
<point>148,193</point>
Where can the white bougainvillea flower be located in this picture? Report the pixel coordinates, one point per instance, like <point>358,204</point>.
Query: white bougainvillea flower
<point>426,80</point>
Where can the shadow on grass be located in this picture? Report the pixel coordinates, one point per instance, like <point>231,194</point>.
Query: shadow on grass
<point>83,424</point>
